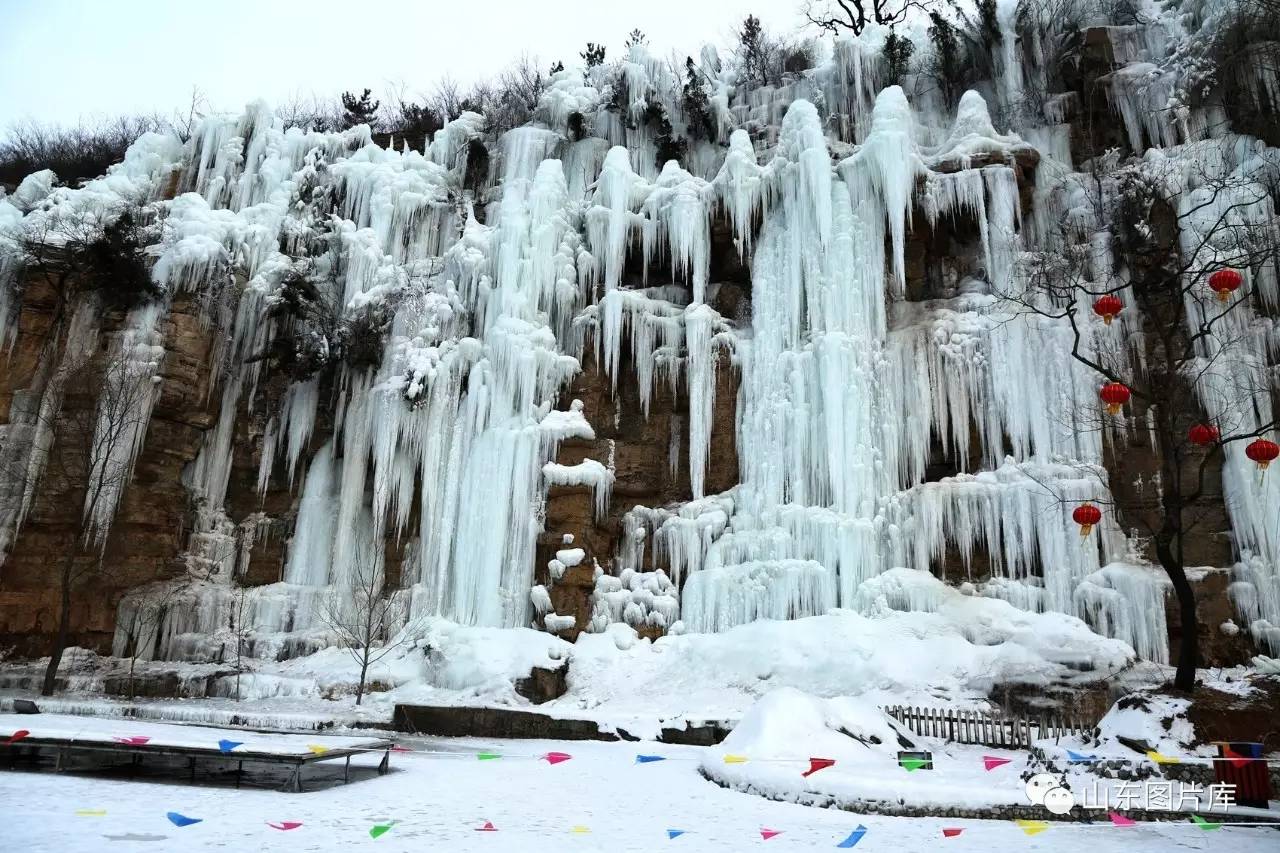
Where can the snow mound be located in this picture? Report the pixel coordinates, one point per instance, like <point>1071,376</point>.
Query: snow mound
<point>955,653</point>
<point>783,731</point>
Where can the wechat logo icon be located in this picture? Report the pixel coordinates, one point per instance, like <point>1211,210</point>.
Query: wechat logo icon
<point>1045,789</point>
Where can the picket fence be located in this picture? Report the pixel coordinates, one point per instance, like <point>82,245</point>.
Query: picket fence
<point>987,728</point>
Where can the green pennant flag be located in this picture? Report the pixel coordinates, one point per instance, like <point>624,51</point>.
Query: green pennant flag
<point>910,764</point>
<point>381,829</point>
<point>487,756</point>
<point>1204,824</point>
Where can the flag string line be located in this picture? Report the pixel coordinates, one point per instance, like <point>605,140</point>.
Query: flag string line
<point>497,754</point>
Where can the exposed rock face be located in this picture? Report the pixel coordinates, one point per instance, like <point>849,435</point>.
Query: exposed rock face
<point>648,456</point>
<point>150,529</point>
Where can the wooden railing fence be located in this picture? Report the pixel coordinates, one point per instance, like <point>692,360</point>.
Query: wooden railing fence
<point>988,728</point>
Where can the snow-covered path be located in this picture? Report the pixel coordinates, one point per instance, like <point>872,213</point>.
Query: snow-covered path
<point>438,801</point>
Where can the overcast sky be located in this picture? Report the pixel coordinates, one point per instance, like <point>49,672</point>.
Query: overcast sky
<point>61,60</point>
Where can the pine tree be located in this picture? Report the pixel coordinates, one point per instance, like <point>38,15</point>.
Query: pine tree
<point>593,55</point>
<point>359,110</point>
<point>752,51</point>
<point>697,107</point>
<point>635,38</point>
<point>897,57</point>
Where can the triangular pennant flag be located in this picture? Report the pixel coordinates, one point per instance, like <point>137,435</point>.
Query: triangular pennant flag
<point>1032,827</point>
<point>135,740</point>
<point>674,833</point>
<point>1160,759</point>
<point>317,748</point>
<point>182,820</point>
<point>557,757</point>
<point>1120,820</point>
<point>136,836</point>
<point>487,756</point>
<point>646,759</point>
<point>1236,759</point>
<point>488,827</point>
<point>228,745</point>
<point>17,736</point>
<point>854,837</point>
<point>816,764</point>
<point>910,764</point>
<point>735,759</point>
<point>399,748</point>
<point>579,830</point>
<point>380,829</point>
<point>766,834</point>
<point>90,812</point>
<point>1076,758</point>
<point>285,825</point>
<point>951,832</point>
<point>991,762</point>
<point>1204,824</point>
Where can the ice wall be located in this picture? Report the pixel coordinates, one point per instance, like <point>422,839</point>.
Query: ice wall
<point>492,292</point>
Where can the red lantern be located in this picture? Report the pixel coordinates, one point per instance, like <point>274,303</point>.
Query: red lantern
<point>1114,395</point>
<point>1107,307</point>
<point>1086,515</point>
<point>1203,434</point>
<point>1225,283</point>
<point>1263,452</point>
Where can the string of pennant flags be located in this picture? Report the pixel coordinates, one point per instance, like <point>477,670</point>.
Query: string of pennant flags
<point>811,765</point>
<point>908,762</point>
<point>1028,827</point>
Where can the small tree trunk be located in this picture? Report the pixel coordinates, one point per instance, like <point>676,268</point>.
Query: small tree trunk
<point>64,630</point>
<point>364,669</point>
<point>1189,641</point>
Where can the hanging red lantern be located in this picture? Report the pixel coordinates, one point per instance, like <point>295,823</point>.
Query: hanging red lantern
<point>1224,283</point>
<point>1203,434</point>
<point>1086,515</point>
<point>1107,307</point>
<point>1114,395</point>
<point>1263,452</point>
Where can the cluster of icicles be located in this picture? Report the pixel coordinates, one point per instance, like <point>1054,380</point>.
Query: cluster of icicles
<point>447,448</point>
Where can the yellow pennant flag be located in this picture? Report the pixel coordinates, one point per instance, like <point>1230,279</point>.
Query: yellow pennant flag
<point>1032,827</point>
<point>90,812</point>
<point>1160,759</point>
<point>580,830</point>
<point>735,759</point>
<point>317,749</point>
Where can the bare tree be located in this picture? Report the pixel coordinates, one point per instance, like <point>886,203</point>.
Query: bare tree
<point>238,630</point>
<point>1188,358</point>
<point>853,16</point>
<point>147,613</point>
<point>362,614</point>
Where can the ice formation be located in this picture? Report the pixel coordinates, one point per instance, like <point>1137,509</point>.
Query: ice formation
<point>493,297</point>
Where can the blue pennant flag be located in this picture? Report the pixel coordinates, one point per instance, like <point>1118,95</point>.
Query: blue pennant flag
<point>674,833</point>
<point>1076,757</point>
<point>182,820</point>
<point>228,745</point>
<point>645,759</point>
<point>854,837</point>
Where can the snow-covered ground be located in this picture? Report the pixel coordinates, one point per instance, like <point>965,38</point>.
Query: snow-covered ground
<point>439,801</point>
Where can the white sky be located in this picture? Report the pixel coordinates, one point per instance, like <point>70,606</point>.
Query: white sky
<point>61,60</point>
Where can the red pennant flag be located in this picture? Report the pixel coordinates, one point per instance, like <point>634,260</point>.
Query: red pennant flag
<point>816,764</point>
<point>134,740</point>
<point>285,824</point>
<point>991,762</point>
<point>1120,820</point>
<point>1236,759</point>
<point>766,834</point>
<point>557,757</point>
<point>488,827</point>
<point>399,748</point>
<point>16,736</point>
<point>951,833</point>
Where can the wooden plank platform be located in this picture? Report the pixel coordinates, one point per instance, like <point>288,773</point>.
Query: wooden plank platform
<point>67,736</point>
